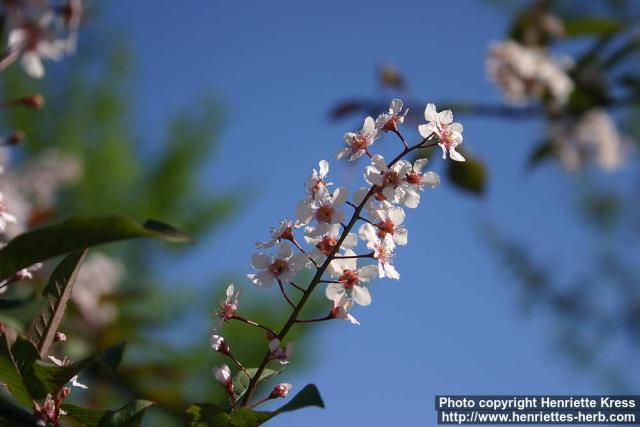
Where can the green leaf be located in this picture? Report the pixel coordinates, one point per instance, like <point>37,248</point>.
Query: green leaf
<point>308,396</point>
<point>41,378</point>
<point>589,26</point>
<point>58,291</point>
<point>470,175</point>
<point>129,415</point>
<point>10,375</point>
<point>241,381</point>
<point>76,234</point>
<point>211,415</point>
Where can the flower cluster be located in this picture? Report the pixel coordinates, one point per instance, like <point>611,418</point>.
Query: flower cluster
<point>591,138</point>
<point>38,30</point>
<point>323,238</point>
<point>525,73</point>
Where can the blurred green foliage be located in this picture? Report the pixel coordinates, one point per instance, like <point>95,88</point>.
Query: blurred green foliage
<point>88,114</point>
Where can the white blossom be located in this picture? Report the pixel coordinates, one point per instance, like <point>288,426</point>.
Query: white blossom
<point>387,180</point>
<point>449,133</point>
<point>5,216</point>
<point>358,143</point>
<point>383,251</point>
<point>524,73</point>
<point>281,354</point>
<point>389,221</point>
<point>415,181</point>
<point>74,381</point>
<point>283,267</point>
<point>341,307</point>
<point>316,186</point>
<point>389,121</point>
<point>593,137</point>
<point>227,308</point>
<point>351,280</point>
<point>324,239</point>
<point>98,277</point>
<point>34,41</point>
<point>284,230</point>
<point>325,211</point>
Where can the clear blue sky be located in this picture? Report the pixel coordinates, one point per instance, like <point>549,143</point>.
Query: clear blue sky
<point>453,323</point>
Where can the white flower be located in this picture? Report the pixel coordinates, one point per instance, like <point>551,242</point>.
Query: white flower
<point>283,267</point>
<point>415,181</point>
<point>389,121</point>
<point>387,180</point>
<point>524,73</point>
<point>35,42</point>
<point>350,279</point>
<point>70,16</point>
<point>23,274</point>
<point>74,381</point>
<point>316,186</point>
<point>341,307</point>
<point>324,211</point>
<point>223,375</point>
<point>5,217</point>
<point>324,239</point>
<point>284,230</point>
<point>98,278</point>
<point>281,390</point>
<point>449,133</point>
<point>358,143</point>
<point>593,137</point>
<point>281,354</point>
<point>227,308</point>
<point>383,251</point>
<point>389,222</point>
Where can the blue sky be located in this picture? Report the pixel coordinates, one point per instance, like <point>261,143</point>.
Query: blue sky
<point>452,325</point>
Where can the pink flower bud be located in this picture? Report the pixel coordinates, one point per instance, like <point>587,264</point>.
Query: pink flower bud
<point>281,390</point>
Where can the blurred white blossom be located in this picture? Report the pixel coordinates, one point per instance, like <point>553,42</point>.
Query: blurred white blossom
<point>593,138</point>
<point>97,279</point>
<point>525,73</point>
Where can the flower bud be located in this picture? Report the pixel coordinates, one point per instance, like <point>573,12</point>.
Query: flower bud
<point>65,392</point>
<point>15,138</point>
<point>35,101</point>
<point>281,390</point>
<point>60,337</point>
<point>218,343</point>
<point>223,376</point>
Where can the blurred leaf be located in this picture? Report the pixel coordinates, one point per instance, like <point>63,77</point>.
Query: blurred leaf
<point>73,234</point>
<point>58,291</point>
<point>13,416</point>
<point>541,152</point>
<point>470,175</point>
<point>622,53</point>
<point>8,304</point>
<point>129,415</point>
<point>390,77</point>
<point>347,108</point>
<point>590,26</point>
